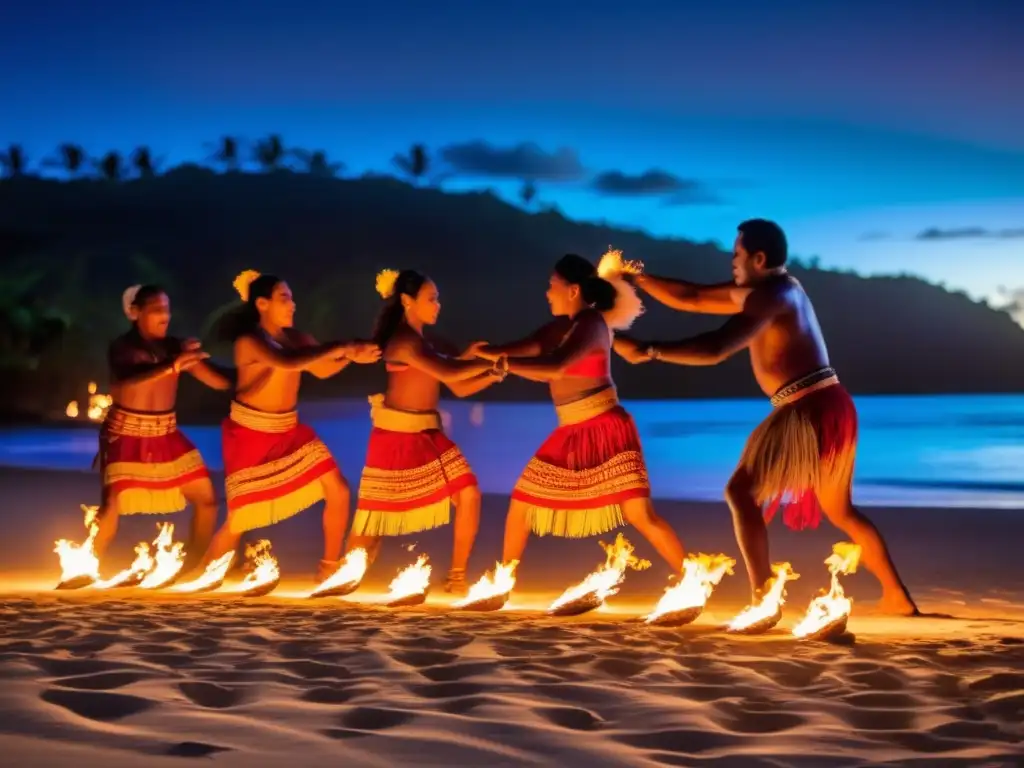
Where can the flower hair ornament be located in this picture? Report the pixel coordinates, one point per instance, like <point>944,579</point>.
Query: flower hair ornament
<point>128,301</point>
<point>242,283</point>
<point>385,283</point>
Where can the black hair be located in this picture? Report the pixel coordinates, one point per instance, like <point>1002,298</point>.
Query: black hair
<point>408,283</point>
<point>145,294</point>
<point>596,291</point>
<point>245,318</point>
<point>767,237</point>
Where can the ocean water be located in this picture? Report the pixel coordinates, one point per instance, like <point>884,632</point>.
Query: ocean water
<point>935,451</point>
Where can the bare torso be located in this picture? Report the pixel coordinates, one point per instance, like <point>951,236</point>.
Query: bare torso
<point>412,389</point>
<point>572,388</point>
<point>791,344</point>
<point>129,352</point>
<point>266,387</point>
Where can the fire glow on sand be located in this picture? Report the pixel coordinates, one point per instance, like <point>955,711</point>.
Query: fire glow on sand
<point>211,578</point>
<point>766,614</point>
<point>347,578</point>
<point>602,583</point>
<point>683,602</point>
<point>828,613</point>
<point>492,591</point>
<point>411,585</point>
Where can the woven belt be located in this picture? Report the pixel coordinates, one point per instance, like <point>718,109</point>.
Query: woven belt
<point>395,420</point>
<point>121,421</point>
<point>588,407</point>
<point>819,379</point>
<point>261,421</point>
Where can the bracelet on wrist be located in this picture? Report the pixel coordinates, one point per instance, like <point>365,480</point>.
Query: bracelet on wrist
<point>653,353</point>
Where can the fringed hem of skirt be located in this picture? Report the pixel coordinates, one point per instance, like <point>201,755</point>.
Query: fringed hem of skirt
<point>574,523</point>
<point>380,522</point>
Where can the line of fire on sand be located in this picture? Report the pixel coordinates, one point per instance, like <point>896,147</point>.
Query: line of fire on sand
<point>158,566</point>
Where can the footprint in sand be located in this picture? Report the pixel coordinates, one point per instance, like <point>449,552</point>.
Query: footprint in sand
<point>102,681</point>
<point>326,695</point>
<point>317,670</point>
<point>424,658</point>
<point>213,696</point>
<point>75,667</point>
<point>687,741</point>
<point>451,673</point>
<point>194,749</point>
<point>755,719</point>
<point>363,721</point>
<point>94,705</point>
<point>572,718</point>
<point>447,690</point>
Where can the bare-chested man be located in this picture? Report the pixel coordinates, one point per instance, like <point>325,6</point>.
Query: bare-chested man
<point>589,476</point>
<point>805,449</point>
<point>147,465</point>
<point>413,471</point>
<point>274,465</point>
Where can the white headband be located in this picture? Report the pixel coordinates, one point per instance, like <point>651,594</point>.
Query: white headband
<point>128,300</point>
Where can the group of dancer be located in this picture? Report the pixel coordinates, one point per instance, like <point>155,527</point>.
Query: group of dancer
<point>587,478</point>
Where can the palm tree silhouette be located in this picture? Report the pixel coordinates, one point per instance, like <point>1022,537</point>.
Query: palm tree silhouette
<point>317,164</point>
<point>415,164</point>
<point>528,192</point>
<point>226,153</point>
<point>14,161</point>
<point>270,152</point>
<point>70,159</point>
<point>111,166</point>
<point>143,163</point>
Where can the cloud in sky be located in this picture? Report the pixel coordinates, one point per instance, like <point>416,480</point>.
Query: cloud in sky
<point>522,161</point>
<point>655,182</point>
<point>873,237</point>
<point>969,233</point>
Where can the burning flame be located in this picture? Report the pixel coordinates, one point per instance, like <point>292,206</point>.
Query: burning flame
<point>612,265</point>
<point>833,605</point>
<point>604,581</point>
<point>412,580</point>
<point>771,603</point>
<point>169,556</point>
<point>211,577</point>
<point>701,574</point>
<point>495,583</point>
<point>79,561</point>
<point>142,565</point>
<point>351,571</point>
<point>98,405</point>
<point>265,569</point>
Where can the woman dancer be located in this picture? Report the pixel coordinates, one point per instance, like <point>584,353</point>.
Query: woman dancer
<point>413,471</point>
<point>276,466</point>
<point>589,476</point>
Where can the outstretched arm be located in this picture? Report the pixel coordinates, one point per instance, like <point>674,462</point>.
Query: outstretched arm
<point>713,347</point>
<point>413,351</point>
<point>530,346</point>
<point>588,332</point>
<point>131,366</point>
<point>256,349</point>
<point>210,376</point>
<point>470,387</point>
<point>718,299</point>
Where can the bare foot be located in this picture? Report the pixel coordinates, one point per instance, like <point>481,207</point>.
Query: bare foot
<point>326,569</point>
<point>897,604</point>
<point>456,583</point>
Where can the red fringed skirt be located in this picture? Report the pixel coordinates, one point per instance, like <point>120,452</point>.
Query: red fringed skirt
<point>809,440</point>
<point>412,471</point>
<point>577,481</point>
<point>273,466</point>
<point>145,461</point>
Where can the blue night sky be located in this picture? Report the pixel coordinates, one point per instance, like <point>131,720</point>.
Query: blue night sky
<point>884,136</point>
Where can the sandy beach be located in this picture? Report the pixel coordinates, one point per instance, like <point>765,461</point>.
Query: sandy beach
<point>123,679</point>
